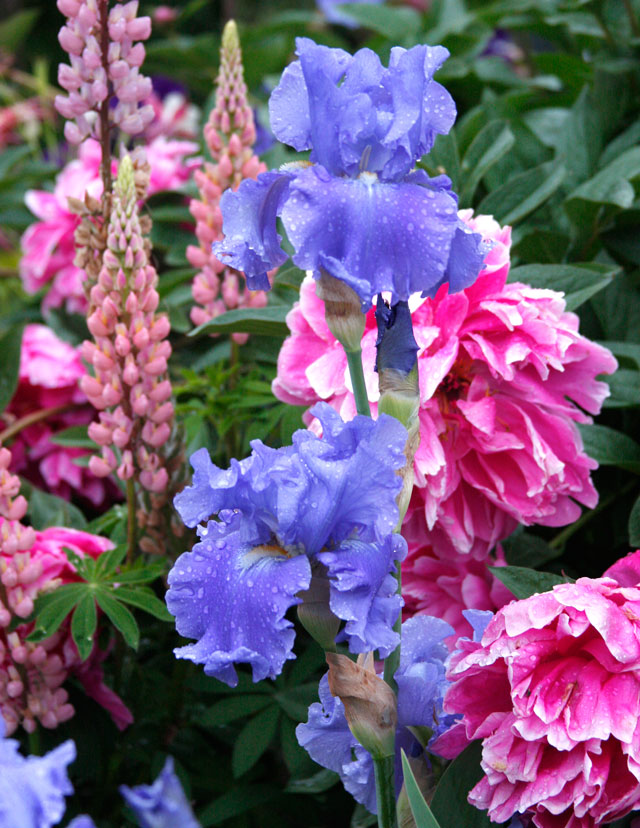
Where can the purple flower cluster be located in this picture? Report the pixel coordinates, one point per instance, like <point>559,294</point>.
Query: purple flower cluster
<point>358,211</point>
<point>322,509</point>
<point>421,685</point>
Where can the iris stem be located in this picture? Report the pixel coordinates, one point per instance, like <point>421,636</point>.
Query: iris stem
<point>354,361</point>
<point>385,791</point>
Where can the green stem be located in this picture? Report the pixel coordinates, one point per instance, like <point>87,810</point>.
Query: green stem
<point>34,743</point>
<point>131,520</point>
<point>354,361</point>
<point>635,28</point>
<point>559,540</point>
<point>385,791</point>
<point>30,419</point>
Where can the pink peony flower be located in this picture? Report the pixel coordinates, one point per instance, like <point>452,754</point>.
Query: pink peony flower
<point>504,377</point>
<point>553,690</point>
<point>50,370</point>
<point>48,244</point>
<point>32,675</point>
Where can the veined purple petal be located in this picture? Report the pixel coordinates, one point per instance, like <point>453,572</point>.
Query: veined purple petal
<point>231,593</point>
<point>374,236</point>
<point>251,242</point>
<point>363,592</point>
<point>162,804</point>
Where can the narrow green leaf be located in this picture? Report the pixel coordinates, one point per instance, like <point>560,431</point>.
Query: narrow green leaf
<point>10,344</point>
<point>421,811</point>
<point>139,575</point>
<point>47,510</point>
<point>83,625</point>
<point>295,701</point>
<point>524,582</point>
<point>449,803</point>
<point>523,193</point>
<point>524,549</point>
<point>253,740</point>
<point>269,321</point>
<point>236,802</point>
<point>119,616</point>
<point>634,525</point>
<point>53,608</point>
<point>110,560</point>
<point>318,783</point>
<point>579,282</point>
<point>623,350</point>
<point>145,599</point>
<point>489,145</point>
<point>610,447</point>
<point>74,437</point>
<point>232,708</point>
<point>394,23</point>
<point>624,386</point>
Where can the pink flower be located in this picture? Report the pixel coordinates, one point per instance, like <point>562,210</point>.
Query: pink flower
<point>50,370</point>
<point>553,690</point>
<point>504,377</point>
<point>48,244</point>
<point>32,675</point>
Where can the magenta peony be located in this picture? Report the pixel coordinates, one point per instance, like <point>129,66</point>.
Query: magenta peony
<point>553,690</point>
<point>48,244</point>
<point>50,370</point>
<point>32,675</point>
<point>504,377</point>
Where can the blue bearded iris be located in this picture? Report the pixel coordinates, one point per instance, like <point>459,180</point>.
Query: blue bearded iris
<point>162,804</point>
<point>421,685</point>
<point>322,508</point>
<point>358,211</point>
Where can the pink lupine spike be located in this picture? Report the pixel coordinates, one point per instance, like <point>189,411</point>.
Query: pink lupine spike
<point>230,134</point>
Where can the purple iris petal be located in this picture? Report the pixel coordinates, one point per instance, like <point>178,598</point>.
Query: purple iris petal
<point>396,346</point>
<point>231,593</point>
<point>363,592</point>
<point>83,821</point>
<point>329,742</point>
<point>162,804</point>
<point>32,789</point>
<point>252,243</point>
<point>374,236</point>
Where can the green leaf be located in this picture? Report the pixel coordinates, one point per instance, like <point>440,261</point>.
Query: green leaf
<point>236,802</point>
<point>269,321</point>
<point>524,549</point>
<point>625,389</point>
<point>232,708</point>
<point>139,574</point>
<point>83,625</point>
<point>295,701</point>
<point>394,23</point>
<point>119,616</point>
<point>489,145</point>
<point>318,783</point>
<point>74,437</point>
<point>610,447</point>
<point>15,29</point>
<point>10,344</point>
<point>523,193</point>
<point>51,609</point>
<point>253,740</point>
<point>445,156</point>
<point>48,510</point>
<point>634,525</point>
<point>145,599</point>
<point>524,582</point>
<point>610,185</point>
<point>422,814</point>
<point>110,560</point>
<point>449,803</point>
<point>623,350</point>
<point>579,282</point>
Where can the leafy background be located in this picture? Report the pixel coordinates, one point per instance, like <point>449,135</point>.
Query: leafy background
<point>547,141</point>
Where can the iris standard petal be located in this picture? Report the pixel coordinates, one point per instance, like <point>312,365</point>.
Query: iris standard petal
<point>162,804</point>
<point>231,593</point>
<point>363,592</point>
<point>251,242</point>
<point>372,235</point>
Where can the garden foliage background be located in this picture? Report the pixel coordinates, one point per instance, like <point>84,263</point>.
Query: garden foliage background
<point>546,140</point>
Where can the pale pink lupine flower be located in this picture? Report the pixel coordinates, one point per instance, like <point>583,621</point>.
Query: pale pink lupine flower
<point>504,377</point>
<point>230,135</point>
<point>553,690</point>
<point>48,378</point>
<point>129,353</point>
<point>32,674</point>
<point>101,70</point>
<point>48,245</point>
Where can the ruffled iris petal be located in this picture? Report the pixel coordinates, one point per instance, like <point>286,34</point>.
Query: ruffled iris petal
<point>372,235</point>
<point>162,804</point>
<point>252,243</point>
<point>363,592</point>
<point>231,593</point>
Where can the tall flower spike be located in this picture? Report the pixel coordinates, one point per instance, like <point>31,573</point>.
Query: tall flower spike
<point>105,64</point>
<point>129,353</point>
<point>230,134</point>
